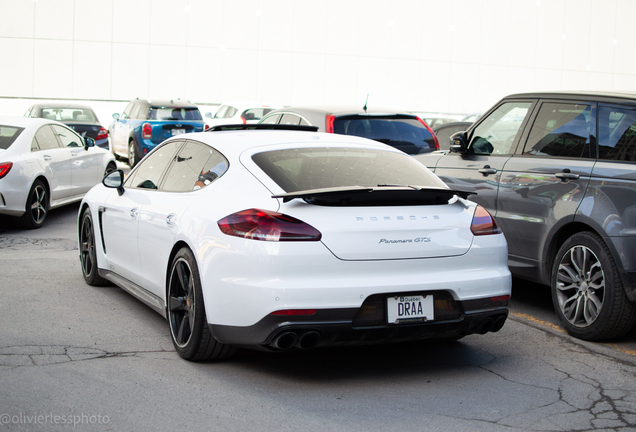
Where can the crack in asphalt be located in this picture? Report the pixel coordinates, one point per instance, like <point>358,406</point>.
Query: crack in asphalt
<point>42,355</point>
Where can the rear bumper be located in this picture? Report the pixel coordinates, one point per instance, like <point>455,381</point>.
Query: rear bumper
<point>366,325</point>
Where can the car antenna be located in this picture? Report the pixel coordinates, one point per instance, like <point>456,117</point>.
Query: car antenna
<point>365,103</point>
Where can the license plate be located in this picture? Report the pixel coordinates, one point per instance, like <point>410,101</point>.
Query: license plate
<point>178,131</point>
<point>417,308</point>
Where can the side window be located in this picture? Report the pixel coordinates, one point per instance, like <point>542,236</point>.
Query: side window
<point>134,114</point>
<point>150,169</point>
<point>230,112</point>
<point>46,138</point>
<point>196,166</point>
<point>290,119</point>
<point>496,133</point>
<point>272,119</point>
<point>562,129</point>
<point>67,137</point>
<point>144,110</point>
<point>127,112</point>
<point>617,134</point>
<point>221,112</point>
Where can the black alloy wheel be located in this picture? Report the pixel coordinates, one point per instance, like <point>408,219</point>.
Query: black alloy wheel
<point>37,206</point>
<point>188,324</point>
<point>88,255</point>
<point>587,291</point>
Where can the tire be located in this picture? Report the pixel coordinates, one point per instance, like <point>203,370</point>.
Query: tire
<point>188,323</point>
<point>37,207</point>
<point>133,157</point>
<point>109,169</point>
<point>587,290</point>
<point>88,256</point>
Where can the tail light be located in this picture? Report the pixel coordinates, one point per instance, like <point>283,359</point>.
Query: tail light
<point>431,132</point>
<point>146,131</point>
<point>206,127</point>
<point>329,123</point>
<point>243,120</point>
<point>483,223</point>
<point>102,134</point>
<point>267,225</point>
<point>5,167</point>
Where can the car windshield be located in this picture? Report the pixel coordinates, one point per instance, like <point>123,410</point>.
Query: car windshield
<point>69,114</point>
<point>174,113</point>
<point>8,135</point>
<point>300,169</point>
<point>404,133</point>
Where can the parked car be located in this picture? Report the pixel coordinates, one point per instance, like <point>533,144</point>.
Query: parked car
<point>283,239</point>
<point>444,131</point>
<point>144,124</point>
<point>402,130</point>
<point>437,119</point>
<point>239,112</point>
<point>80,118</point>
<point>558,172</point>
<point>44,164</point>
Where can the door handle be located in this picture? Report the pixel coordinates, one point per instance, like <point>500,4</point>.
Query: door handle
<point>567,175</point>
<point>47,157</point>
<point>170,219</point>
<point>486,170</point>
<point>134,213</point>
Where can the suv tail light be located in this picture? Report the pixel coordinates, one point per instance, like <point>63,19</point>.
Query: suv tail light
<point>483,223</point>
<point>243,120</point>
<point>267,225</point>
<point>146,131</point>
<point>102,134</point>
<point>329,123</point>
<point>5,167</point>
<point>431,132</point>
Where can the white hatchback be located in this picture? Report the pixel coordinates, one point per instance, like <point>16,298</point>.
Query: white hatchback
<point>44,164</point>
<point>282,239</point>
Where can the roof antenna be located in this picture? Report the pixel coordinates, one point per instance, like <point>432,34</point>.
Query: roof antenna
<point>365,103</point>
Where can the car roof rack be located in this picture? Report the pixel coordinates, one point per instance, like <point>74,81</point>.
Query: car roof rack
<point>262,126</point>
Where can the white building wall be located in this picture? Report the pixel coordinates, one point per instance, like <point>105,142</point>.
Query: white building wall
<point>421,55</point>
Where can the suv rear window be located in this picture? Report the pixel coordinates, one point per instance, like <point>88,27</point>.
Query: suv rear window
<point>8,135</point>
<point>318,168</point>
<point>174,113</point>
<point>402,132</point>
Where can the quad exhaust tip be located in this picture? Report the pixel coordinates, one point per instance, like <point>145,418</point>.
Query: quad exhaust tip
<point>288,340</point>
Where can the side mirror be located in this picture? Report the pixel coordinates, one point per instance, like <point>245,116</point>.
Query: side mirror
<point>116,116</point>
<point>115,180</point>
<point>208,115</point>
<point>88,143</point>
<point>458,142</point>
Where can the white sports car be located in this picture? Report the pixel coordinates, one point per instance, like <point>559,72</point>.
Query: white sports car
<point>281,239</point>
<point>44,164</point>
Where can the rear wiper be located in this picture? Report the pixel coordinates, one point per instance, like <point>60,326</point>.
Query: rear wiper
<point>401,186</point>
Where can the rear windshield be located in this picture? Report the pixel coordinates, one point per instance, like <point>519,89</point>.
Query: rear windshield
<point>404,133</point>
<point>8,135</point>
<point>69,114</point>
<point>174,113</point>
<point>323,167</point>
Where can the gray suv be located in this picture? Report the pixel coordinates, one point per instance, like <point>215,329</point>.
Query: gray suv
<point>558,172</point>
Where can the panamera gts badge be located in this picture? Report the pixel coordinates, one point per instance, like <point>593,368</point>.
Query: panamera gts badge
<point>411,240</point>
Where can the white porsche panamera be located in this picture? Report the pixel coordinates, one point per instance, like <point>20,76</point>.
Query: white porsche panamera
<point>282,239</point>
